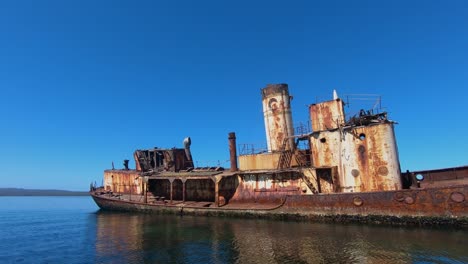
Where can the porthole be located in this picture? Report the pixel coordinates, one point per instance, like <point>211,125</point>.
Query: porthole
<point>382,170</point>
<point>419,177</point>
<point>362,136</point>
<point>323,140</point>
<point>355,172</point>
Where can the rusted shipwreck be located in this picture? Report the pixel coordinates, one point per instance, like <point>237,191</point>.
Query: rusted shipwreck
<point>344,169</point>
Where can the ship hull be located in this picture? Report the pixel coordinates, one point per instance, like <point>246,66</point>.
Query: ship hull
<point>423,207</point>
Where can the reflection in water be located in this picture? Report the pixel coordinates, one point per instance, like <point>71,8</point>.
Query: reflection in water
<point>140,238</point>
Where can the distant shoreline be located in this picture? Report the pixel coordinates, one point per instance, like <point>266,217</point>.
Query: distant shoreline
<point>37,192</point>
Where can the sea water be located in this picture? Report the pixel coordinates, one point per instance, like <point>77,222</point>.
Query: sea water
<point>73,230</point>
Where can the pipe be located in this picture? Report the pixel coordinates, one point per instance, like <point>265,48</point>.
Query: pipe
<point>188,153</point>
<point>232,151</point>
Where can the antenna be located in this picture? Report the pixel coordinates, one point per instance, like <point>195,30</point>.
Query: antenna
<point>378,102</point>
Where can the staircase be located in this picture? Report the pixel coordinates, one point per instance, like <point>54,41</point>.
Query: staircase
<point>300,158</point>
<point>285,162</point>
<point>285,156</point>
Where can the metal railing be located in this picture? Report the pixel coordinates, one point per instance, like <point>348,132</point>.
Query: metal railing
<point>251,149</point>
<point>225,163</point>
<point>303,128</point>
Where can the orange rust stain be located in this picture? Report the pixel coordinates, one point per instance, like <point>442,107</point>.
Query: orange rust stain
<point>324,115</point>
<point>123,181</point>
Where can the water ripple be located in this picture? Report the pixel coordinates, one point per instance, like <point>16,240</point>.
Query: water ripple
<point>63,235</point>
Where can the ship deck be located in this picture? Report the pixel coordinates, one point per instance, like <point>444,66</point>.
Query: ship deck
<point>162,201</point>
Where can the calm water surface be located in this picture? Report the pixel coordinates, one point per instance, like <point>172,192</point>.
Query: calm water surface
<point>73,230</point>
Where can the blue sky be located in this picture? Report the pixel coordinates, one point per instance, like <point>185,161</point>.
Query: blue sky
<point>85,83</point>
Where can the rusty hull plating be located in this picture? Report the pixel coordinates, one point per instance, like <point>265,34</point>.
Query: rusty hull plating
<point>345,169</point>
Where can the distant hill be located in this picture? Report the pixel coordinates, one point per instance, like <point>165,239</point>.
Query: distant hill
<point>34,192</point>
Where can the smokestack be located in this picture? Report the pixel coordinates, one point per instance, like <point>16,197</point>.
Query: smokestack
<point>188,154</point>
<point>233,151</point>
<point>278,116</point>
<point>125,163</point>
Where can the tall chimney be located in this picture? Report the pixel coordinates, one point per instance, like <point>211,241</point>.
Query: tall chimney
<point>233,151</point>
<point>278,116</point>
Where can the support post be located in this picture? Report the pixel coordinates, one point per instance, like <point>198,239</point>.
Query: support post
<point>172,191</point>
<point>216,193</point>
<point>183,189</point>
<point>145,189</point>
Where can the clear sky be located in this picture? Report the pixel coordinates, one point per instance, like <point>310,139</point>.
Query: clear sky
<point>85,83</point>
